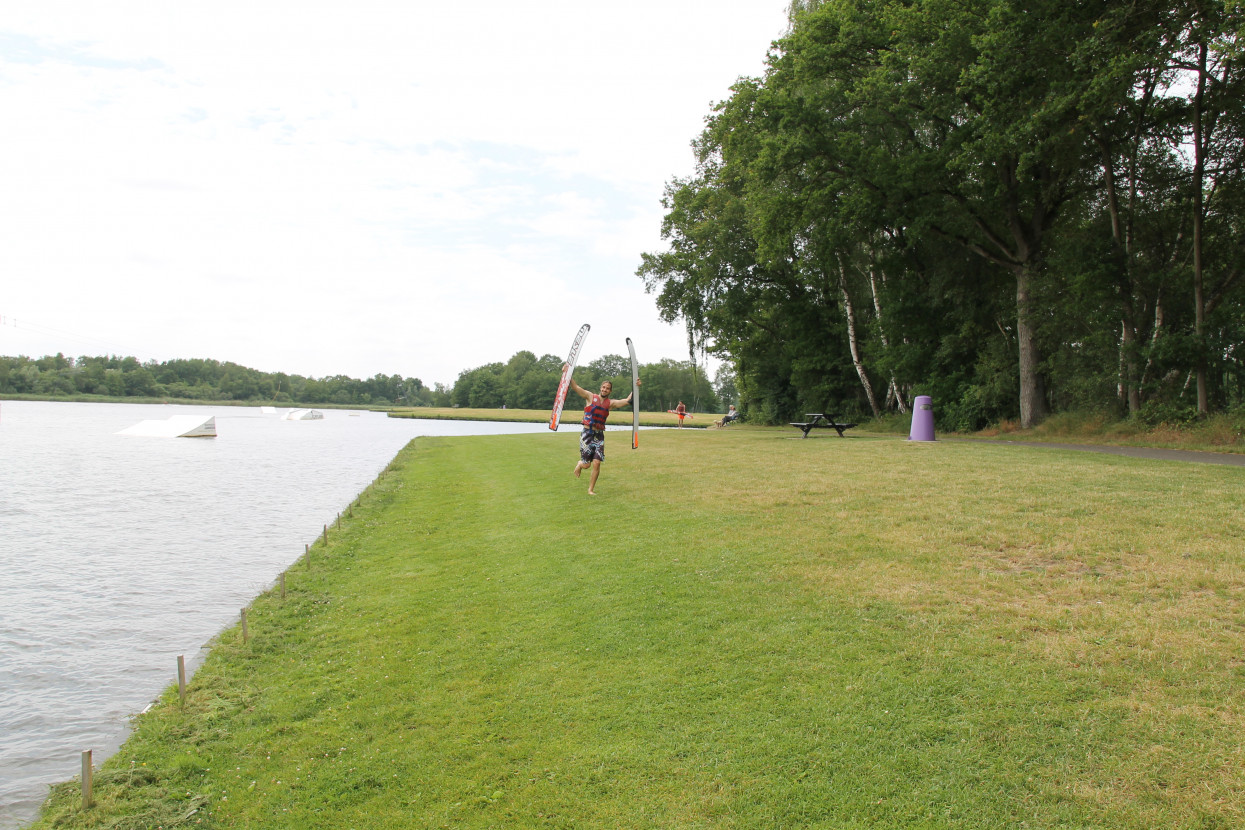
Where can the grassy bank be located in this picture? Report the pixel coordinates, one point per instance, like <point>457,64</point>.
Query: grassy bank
<point>571,414</point>
<point>742,630</point>
<point>1221,432</point>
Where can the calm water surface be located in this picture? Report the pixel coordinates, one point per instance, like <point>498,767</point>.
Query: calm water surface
<point>119,553</point>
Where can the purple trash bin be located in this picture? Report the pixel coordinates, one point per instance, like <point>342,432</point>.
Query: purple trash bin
<point>922,419</point>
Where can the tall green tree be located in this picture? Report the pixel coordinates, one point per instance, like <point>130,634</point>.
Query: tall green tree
<point>1048,141</point>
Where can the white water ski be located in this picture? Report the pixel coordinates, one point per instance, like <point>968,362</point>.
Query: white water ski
<point>565,383</point>
<point>635,397</point>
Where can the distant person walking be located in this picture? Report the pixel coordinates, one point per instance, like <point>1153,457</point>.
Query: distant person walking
<point>592,439</point>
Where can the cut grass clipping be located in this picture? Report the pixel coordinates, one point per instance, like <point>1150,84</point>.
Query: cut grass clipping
<point>742,630</point>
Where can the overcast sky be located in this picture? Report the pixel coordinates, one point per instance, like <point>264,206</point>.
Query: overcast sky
<point>410,188</point>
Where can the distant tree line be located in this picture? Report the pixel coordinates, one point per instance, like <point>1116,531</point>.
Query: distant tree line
<point>528,382</point>
<point>1016,207</point>
<point>523,382</point>
<point>204,380</point>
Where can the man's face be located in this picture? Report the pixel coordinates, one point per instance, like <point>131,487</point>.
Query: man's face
<point>606,389</point>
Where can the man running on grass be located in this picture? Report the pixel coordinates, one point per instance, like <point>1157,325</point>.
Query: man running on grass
<point>592,439</point>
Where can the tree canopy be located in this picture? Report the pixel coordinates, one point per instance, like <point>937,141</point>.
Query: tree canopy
<point>1016,208</point>
<point>204,380</point>
<point>524,382</point>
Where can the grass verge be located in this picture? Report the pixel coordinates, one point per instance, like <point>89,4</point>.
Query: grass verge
<point>742,630</point>
<point>1221,432</point>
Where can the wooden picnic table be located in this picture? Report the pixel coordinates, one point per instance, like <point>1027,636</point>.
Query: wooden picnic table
<point>820,420</point>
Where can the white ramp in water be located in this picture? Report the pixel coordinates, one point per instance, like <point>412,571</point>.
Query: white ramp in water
<point>304,415</point>
<point>179,426</point>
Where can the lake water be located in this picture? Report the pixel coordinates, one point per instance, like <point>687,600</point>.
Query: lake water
<point>118,553</point>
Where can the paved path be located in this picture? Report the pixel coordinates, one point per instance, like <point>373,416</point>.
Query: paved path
<point>1234,459</point>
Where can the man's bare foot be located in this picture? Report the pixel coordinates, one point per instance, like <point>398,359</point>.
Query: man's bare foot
<point>591,493</point>
<point>578,467</point>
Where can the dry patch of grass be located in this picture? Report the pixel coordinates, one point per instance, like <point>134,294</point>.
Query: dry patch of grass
<point>1128,573</point>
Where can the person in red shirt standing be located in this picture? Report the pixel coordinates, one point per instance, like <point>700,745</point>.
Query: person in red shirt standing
<point>681,411</point>
<point>592,439</point>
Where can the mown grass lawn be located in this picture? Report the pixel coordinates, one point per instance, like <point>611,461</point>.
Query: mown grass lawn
<point>742,630</point>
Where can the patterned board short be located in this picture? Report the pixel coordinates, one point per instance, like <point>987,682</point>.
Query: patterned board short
<point>591,446</point>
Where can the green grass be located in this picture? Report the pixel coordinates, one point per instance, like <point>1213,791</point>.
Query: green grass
<point>743,630</point>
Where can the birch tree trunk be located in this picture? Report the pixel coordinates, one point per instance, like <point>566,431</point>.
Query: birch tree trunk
<point>1128,387</point>
<point>850,311</point>
<point>1199,172</point>
<point>893,391</point>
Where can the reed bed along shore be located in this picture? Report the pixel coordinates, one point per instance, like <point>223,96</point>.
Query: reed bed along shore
<point>742,630</point>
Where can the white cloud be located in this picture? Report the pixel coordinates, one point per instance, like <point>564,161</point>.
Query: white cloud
<point>326,188</point>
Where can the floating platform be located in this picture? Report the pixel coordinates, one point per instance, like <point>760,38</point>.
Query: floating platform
<point>179,426</point>
<point>303,415</point>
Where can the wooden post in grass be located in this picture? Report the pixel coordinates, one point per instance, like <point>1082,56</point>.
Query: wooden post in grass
<point>181,677</point>
<point>87,769</point>
<point>244,631</point>
<point>339,521</point>
<point>283,585</point>
<point>307,554</point>
<point>326,536</point>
